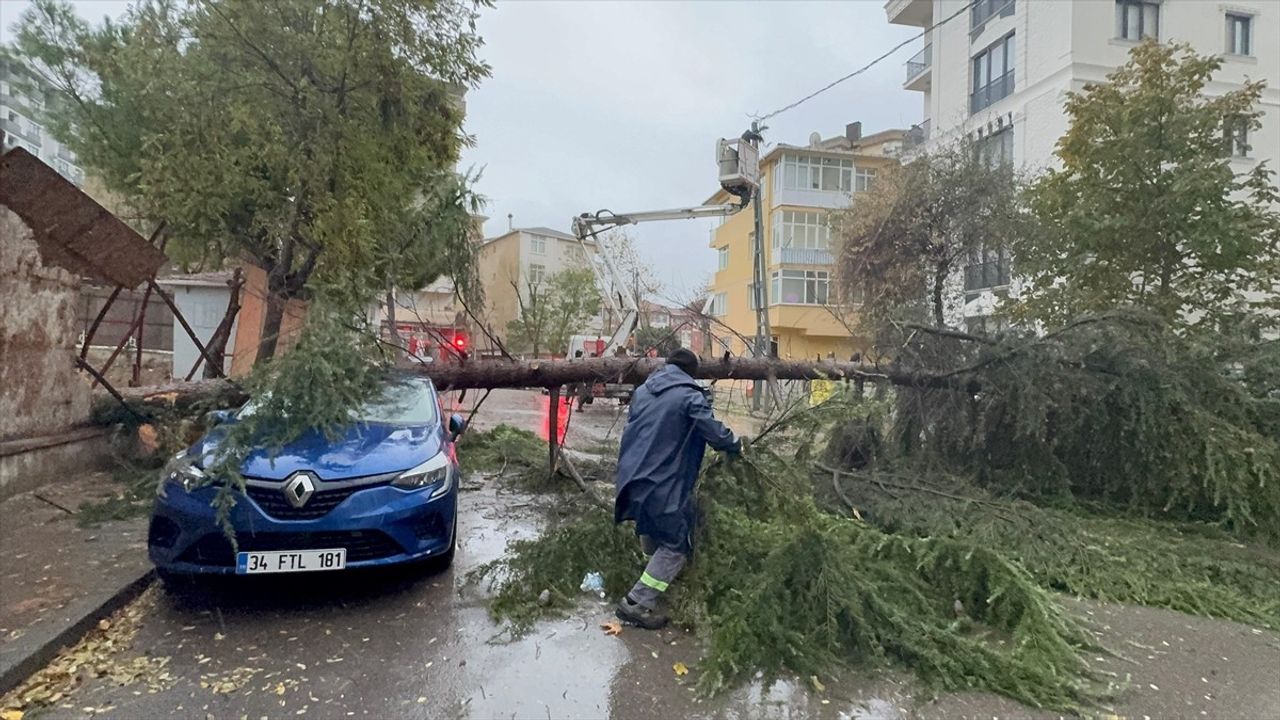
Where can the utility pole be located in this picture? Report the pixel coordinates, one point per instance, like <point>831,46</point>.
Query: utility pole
<point>764,337</point>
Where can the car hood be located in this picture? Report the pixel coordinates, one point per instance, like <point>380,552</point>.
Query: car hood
<point>355,451</point>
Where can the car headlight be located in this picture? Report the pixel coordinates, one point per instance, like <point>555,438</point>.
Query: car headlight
<point>183,472</point>
<point>436,472</point>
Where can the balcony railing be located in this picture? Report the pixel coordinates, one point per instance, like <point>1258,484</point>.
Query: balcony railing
<point>919,62</point>
<point>984,275</point>
<point>801,256</point>
<point>998,89</point>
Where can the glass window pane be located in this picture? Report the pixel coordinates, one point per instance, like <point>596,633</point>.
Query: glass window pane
<point>830,178</point>
<point>1008,54</point>
<point>1150,20</point>
<point>997,61</point>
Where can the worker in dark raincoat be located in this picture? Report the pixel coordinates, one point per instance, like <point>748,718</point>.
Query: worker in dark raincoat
<point>668,428</point>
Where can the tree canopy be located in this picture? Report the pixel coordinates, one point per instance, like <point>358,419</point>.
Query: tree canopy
<point>1150,208</point>
<point>315,140</point>
<point>553,310</point>
<point>919,224</point>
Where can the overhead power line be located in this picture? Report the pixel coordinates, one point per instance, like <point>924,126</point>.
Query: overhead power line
<point>871,64</point>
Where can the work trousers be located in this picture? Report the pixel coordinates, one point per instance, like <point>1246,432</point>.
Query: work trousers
<point>664,565</point>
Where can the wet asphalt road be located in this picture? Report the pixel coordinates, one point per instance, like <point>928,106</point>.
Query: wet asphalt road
<point>417,646</point>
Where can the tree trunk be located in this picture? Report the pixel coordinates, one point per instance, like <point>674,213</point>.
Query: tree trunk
<point>939,284</point>
<point>489,374</point>
<point>393,333</point>
<point>273,318</point>
<point>218,343</point>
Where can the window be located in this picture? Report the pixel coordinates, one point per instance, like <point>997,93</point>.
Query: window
<point>800,229</point>
<point>801,172</point>
<point>1239,37</point>
<point>1235,137</point>
<point>992,74</point>
<point>1137,20</point>
<point>537,273</point>
<point>538,245</point>
<point>984,10</point>
<point>575,255</point>
<point>862,180</point>
<point>997,148</point>
<point>800,287</point>
<point>986,269</point>
<point>718,302</point>
<point>722,258</point>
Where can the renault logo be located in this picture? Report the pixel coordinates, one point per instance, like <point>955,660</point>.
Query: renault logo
<point>299,489</point>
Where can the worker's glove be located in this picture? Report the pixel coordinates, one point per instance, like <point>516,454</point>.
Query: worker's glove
<point>736,451</point>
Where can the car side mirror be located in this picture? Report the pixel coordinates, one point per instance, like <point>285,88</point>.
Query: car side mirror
<point>218,417</point>
<point>457,425</point>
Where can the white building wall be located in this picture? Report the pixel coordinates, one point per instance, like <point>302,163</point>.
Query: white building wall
<point>1061,45</point>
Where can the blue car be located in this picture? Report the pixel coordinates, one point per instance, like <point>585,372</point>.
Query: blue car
<point>384,492</point>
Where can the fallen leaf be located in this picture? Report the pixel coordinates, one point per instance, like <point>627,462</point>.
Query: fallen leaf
<point>613,627</point>
<point>280,688</point>
<point>680,669</point>
<point>11,714</point>
<point>817,684</point>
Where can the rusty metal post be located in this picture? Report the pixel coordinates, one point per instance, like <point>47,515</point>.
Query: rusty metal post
<point>136,378</point>
<point>102,314</point>
<point>553,428</point>
<point>124,340</point>
<point>177,314</point>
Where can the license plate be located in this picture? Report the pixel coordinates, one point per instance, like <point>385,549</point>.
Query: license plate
<point>251,563</point>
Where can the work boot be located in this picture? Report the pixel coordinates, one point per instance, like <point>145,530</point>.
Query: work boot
<point>633,613</point>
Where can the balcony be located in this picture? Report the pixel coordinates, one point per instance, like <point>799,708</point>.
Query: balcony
<point>919,66</point>
<point>993,92</point>
<point>800,256</point>
<point>915,13</point>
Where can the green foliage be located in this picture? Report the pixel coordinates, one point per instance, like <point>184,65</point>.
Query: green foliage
<point>556,561</point>
<point>1192,568</point>
<point>1116,409</point>
<point>313,139</point>
<point>553,310</point>
<point>514,455</point>
<point>1147,209</point>
<point>778,585</point>
<point>921,223</point>
<point>662,339</point>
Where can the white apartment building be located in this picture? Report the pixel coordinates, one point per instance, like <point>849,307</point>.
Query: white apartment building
<point>1000,71</point>
<point>19,111</point>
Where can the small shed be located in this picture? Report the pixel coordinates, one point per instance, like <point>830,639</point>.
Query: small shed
<point>202,299</point>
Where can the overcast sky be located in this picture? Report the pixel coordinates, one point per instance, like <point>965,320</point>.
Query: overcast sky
<point>618,104</point>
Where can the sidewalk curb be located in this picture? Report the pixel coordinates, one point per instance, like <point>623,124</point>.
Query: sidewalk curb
<point>13,676</point>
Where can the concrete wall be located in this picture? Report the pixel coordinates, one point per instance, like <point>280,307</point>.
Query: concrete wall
<point>41,392</point>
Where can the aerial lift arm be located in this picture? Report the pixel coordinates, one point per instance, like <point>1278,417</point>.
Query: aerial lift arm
<point>739,175</point>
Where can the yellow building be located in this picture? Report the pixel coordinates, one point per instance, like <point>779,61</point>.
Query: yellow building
<point>799,187</point>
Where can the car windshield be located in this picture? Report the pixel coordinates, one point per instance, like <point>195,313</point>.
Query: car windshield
<point>407,401</point>
<point>402,401</point>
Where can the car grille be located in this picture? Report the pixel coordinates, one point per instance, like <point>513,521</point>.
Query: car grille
<point>273,502</point>
<point>215,549</point>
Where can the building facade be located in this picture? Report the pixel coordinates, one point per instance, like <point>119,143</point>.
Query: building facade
<point>24,97</point>
<point>800,186</point>
<point>522,257</point>
<point>999,74</point>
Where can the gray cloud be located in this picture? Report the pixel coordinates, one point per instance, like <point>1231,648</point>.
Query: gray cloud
<point>618,104</point>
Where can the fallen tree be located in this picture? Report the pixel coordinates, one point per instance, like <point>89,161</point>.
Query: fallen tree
<point>490,374</point>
